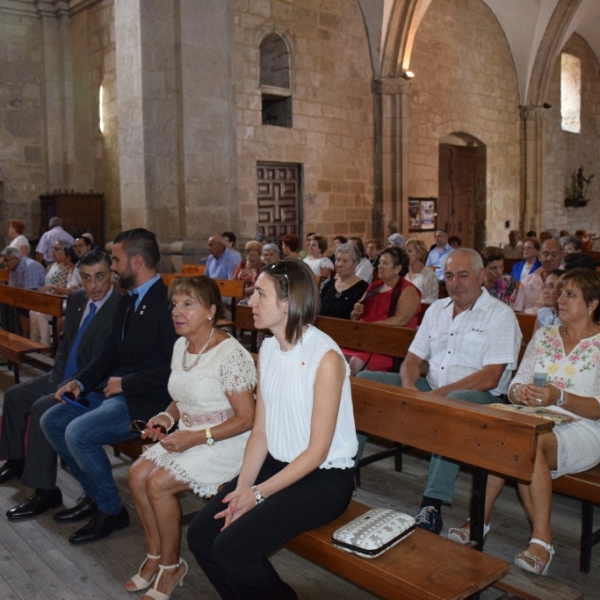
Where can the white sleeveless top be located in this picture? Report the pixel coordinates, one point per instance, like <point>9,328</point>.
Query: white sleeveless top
<point>287,387</point>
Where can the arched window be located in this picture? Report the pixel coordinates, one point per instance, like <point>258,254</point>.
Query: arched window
<point>570,93</point>
<point>275,82</point>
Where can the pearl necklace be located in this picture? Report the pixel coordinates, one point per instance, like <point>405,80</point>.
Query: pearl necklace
<point>578,339</point>
<point>184,366</point>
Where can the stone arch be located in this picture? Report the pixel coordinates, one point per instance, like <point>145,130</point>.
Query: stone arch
<point>272,29</point>
<point>555,37</point>
<point>402,27</point>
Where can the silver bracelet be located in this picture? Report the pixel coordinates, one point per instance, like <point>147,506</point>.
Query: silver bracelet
<point>514,391</point>
<point>169,416</point>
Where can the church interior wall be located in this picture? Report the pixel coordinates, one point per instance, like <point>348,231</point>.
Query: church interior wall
<point>465,82</point>
<point>22,146</point>
<point>332,134</point>
<point>566,152</point>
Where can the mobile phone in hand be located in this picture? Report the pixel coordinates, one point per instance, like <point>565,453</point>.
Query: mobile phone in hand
<point>80,402</point>
<point>539,379</point>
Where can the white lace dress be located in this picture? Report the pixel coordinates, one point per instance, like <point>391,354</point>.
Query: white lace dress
<point>577,372</point>
<point>227,367</point>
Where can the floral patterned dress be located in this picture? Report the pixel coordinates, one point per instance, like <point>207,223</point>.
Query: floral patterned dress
<point>505,290</point>
<point>577,372</point>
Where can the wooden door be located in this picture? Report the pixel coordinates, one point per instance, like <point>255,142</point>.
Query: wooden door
<point>456,210</point>
<point>278,199</point>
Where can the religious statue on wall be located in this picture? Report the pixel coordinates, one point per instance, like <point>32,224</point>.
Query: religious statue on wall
<point>576,192</point>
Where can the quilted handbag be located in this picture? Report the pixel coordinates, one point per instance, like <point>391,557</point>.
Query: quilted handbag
<point>371,534</point>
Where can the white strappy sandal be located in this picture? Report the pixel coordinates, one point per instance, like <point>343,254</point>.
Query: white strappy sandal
<point>139,582</point>
<point>532,563</point>
<point>154,593</point>
<point>462,535</point>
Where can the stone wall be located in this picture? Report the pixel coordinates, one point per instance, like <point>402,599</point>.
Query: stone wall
<point>332,134</point>
<point>22,153</point>
<point>566,152</point>
<point>465,83</point>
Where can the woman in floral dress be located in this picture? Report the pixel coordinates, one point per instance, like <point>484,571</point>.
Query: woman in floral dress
<point>568,355</point>
<point>498,284</point>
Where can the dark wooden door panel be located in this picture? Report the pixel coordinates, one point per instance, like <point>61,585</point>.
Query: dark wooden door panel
<point>278,199</point>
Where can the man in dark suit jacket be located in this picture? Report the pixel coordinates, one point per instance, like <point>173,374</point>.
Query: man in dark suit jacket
<point>136,358</point>
<point>36,396</point>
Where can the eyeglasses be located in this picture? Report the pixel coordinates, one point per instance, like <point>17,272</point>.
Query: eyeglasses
<point>142,426</point>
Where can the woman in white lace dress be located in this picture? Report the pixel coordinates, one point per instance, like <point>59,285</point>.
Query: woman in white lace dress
<point>212,381</point>
<point>567,356</point>
<point>298,467</point>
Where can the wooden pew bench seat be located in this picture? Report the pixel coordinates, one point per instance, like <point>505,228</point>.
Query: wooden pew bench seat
<point>585,487</point>
<point>423,565</point>
<point>15,349</point>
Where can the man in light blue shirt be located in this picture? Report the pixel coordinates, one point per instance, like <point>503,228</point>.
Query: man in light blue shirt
<point>24,272</point>
<point>438,254</point>
<point>222,262</point>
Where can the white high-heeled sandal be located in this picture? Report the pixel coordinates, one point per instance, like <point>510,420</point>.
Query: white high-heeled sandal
<point>531,562</point>
<point>154,593</point>
<point>139,582</point>
<point>462,535</point>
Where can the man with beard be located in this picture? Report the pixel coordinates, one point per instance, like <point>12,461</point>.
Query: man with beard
<point>136,359</point>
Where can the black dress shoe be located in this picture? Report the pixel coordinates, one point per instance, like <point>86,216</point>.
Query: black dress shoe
<point>100,526</point>
<point>86,507</point>
<point>35,505</point>
<point>11,469</point>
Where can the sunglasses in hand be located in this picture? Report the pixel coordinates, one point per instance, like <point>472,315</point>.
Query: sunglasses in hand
<point>142,426</point>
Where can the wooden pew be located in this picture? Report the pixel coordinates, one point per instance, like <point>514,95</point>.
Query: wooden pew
<point>425,565</point>
<point>585,487</point>
<point>189,270</point>
<point>15,348</point>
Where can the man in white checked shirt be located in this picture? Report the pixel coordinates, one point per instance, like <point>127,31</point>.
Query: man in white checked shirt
<point>471,343</point>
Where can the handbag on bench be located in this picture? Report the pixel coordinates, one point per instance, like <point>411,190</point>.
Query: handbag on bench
<point>373,533</point>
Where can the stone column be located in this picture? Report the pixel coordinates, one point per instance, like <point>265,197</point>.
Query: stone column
<point>176,113</point>
<point>391,145</point>
<point>130,108</point>
<point>58,97</point>
<point>532,144</point>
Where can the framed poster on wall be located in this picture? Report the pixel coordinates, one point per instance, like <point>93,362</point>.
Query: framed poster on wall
<point>421,214</point>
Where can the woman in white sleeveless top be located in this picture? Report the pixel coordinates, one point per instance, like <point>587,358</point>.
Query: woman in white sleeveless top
<point>297,472</point>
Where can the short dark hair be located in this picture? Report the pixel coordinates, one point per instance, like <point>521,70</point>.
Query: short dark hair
<point>230,236</point>
<point>490,254</point>
<point>342,239</point>
<point>93,257</point>
<point>588,281</point>
<point>140,241</point>
<point>399,258</point>
<point>359,244</point>
<point>291,241</point>
<point>321,241</point>
<point>201,287</point>
<point>574,241</point>
<point>295,282</point>
<point>86,240</point>
<point>70,252</point>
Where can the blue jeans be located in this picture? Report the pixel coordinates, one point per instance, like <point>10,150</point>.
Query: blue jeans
<point>78,436</point>
<point>442,471</point>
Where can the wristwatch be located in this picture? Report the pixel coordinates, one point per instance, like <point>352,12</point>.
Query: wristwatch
<point>561,398</point>
<point>210,440</point>
<point>257,495</point>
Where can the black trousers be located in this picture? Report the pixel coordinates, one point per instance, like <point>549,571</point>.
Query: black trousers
<point>29,399</point>
<point>235,560</point>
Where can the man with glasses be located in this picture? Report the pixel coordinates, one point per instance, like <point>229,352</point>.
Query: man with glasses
<point>136,359</point>
<point>82,246</point>
<point>84,333</point>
